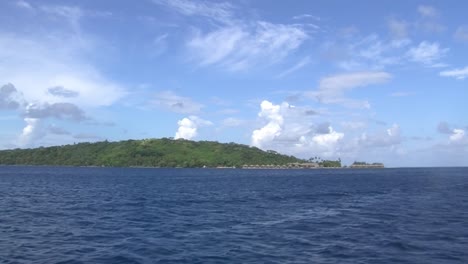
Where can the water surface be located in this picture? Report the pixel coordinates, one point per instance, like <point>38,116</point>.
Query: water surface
<point>103,215</point>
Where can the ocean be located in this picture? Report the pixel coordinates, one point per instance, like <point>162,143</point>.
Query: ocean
<point>137,215</point>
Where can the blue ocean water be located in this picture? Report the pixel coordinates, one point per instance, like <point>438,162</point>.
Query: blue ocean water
<point>112,215</point>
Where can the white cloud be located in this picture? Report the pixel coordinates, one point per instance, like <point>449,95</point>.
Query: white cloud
<point>370,52</point>
<point>461,34</point>
<point>62,92</point>
<point>429,21</point>
<point>9,97</point>
<point>36,64</point>
<point>427,53</point>
<point>72,14</point>
<point>24,4</point>
<point>398,28</point>
<point>272,129</point>
<point>188,127</point>
<point>302,63</point>
<point>237,43</point>
<point>459,74</point>
<point>290,130</point>
<point>458,135</point>
<point>306,16</point>
<point>175,103</point>
<point>53,70</point>
<point>240,47</point>
<point>427,11</point>
<point>66,111</point>
<point>221,11</point>
<point>328,140</point>
<point>31,132</point>
<point>387,138</point>
<point>353,125</point>
<point>332,89</point>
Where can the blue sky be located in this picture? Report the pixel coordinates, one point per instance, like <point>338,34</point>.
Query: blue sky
<point>380,81</point>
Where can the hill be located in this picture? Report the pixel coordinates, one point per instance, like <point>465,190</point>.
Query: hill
<point>163,152</point>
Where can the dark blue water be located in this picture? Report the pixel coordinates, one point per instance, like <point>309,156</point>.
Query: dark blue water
<point>101,215</point>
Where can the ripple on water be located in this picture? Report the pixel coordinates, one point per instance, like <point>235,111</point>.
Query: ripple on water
<point>95,215</point>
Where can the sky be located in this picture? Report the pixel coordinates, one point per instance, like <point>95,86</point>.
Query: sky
<point>376,81</point>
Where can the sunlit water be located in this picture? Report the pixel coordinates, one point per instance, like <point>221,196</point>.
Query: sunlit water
<point>102,215</point>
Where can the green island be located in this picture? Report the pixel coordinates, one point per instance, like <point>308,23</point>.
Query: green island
<point>164,152</point>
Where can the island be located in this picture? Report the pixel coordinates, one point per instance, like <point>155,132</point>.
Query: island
<point>365,165</point>
<point>161,153</point>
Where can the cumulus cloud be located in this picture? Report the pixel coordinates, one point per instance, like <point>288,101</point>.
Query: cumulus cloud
<point>458,135</point>
<point>389,137</point>
<point>459,74</point>
<point>289,130</point>
<point>427,53</point>
<point>188,127</point>
<point>332,89</point>
<point>170,101</point>
<point>66,111</point>
<point>328,139</point>
<point>9,97</point>
<point>31,132</point>
<point>273,128</point>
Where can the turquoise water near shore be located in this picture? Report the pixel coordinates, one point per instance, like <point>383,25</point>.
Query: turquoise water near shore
<point>116,215</point>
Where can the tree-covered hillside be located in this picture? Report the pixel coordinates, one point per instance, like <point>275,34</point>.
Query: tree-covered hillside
<point>163,152</point>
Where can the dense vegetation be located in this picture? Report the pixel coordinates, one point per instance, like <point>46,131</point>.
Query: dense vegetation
<point>163,152</point>
<point>326,163</point>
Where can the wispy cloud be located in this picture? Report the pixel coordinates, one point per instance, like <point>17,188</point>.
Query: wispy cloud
<point>428,54</point>
<point>60,91</point>
<point>299,65</point>
<point>24,4</point>
<point>459,74</point>
<point>398,28</point>
<point>369,52</point>
<point>307,16</point>
<point>332,89</point>
<point>220,12</point>
<point>172,102</point>
<point>236,43</point>
<point>240,47</point>
<point>427,11</point>
<point>429,21</point>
